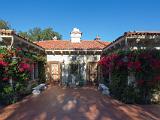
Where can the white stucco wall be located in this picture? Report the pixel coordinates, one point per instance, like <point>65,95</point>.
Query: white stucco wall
<point>67,59</point>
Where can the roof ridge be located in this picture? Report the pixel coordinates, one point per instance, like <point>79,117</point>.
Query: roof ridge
<point>101,42</point>
<point>62,40</point>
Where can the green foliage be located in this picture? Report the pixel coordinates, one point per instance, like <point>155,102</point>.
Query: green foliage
<point>4,24</point>
<point>11,94</point>
<point>38,34</point>
<point>17,71</point>
<point>48,34</point>
<point>34,34</point>
<point>118,83</point>
<point>24,34</point>
<point>145,64</point>
<point>41,72</point>
<point>7,95</point>
<point>130,95</point>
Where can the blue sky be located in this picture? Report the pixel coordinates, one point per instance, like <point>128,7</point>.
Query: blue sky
<point>107,18</point>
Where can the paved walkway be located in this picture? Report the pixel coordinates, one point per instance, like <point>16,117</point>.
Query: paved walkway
<point>76,104</point>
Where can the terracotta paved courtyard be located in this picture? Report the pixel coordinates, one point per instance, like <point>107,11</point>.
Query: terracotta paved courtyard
<point>84,103</point>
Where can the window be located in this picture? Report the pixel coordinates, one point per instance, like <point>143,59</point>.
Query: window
<point>35,70</point>
<point>34,73</point>
<point>74,69</point>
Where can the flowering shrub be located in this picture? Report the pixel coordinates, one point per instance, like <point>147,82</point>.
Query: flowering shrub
<point>144,64</point>
<point>15,69</point>
<point>3,63</point>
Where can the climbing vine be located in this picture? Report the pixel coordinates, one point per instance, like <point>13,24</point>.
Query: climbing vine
<point>16,66</point>
<point>144,65</point>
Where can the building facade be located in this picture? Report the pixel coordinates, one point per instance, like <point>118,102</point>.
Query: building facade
<point>73,61</point>
<point>135,40</point>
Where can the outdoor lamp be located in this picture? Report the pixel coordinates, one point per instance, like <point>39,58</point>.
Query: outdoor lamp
<point>63,61</point>
<point>14,58</point>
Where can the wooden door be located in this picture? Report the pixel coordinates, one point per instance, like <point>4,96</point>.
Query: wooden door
<point>92,72</point>
<point>55,71</point>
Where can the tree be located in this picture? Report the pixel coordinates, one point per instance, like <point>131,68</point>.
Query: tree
<point>34,34</point>
<point>49,34</point>
<point>23,34</point>
<point>37,34</point>
<point>4,24</point>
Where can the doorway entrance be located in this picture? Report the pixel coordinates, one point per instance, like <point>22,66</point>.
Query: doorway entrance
<point>92,73</point>
<point>55,72</point>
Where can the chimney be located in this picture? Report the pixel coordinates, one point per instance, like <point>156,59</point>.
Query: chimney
<point>97,37</point>
<point>55,38</point>
<point>76,35</point>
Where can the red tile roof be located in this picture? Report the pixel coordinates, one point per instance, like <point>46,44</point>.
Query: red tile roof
<point>68,45</point>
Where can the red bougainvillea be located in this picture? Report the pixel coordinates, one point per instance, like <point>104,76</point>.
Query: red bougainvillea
<point>140,82</point>
<point>134,65</point>
<point>3,63</point>
<point>106,61</point>
<point>132,76</point>
<point>24,67</point>
<point>155,63</point>
<point>5,78</point>
<point>17,68</point>
<point>157,78</point>
<point>134,61</point>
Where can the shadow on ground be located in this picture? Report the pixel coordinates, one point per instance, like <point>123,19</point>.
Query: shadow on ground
<point>76,104</point>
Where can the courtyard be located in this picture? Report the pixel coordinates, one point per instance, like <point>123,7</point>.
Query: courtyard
<point>85,103</point>
<point>83,60</point>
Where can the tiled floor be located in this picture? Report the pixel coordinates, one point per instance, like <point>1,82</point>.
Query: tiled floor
<point>76,104</point>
